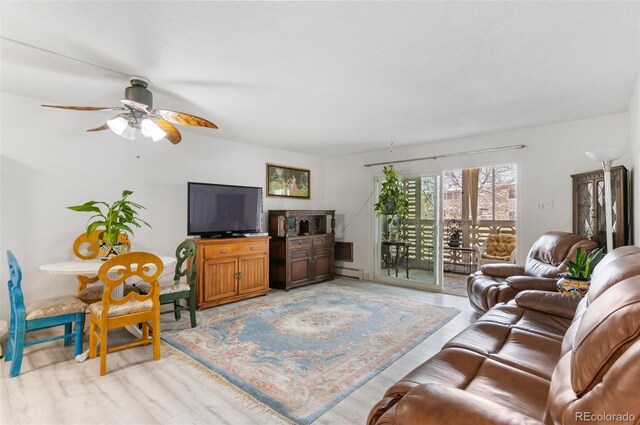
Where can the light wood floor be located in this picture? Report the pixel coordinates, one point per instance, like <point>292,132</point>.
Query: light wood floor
<point>53,389</point>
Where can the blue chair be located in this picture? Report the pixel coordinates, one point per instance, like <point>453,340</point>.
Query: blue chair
<point>42,314</point>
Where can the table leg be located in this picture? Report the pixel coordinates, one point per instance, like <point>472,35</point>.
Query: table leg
<point>406,259</point>
<point>397,259</point>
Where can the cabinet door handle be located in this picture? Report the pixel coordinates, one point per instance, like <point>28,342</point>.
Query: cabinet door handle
<point>239,275</point>
<point>224,250</point>
<point>253,248</point>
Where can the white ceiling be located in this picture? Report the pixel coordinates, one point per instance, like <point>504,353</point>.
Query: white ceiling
<point>333,78</point>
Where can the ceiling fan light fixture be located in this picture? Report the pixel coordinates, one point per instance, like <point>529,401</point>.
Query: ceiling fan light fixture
<point>118,125</point>
<point>152,130</point>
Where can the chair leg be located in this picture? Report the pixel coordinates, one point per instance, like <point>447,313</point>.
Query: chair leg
<point>176,309</point>
<point>67,334</point>
<point>192,308</point>
<point>8,352</point>
<point>79,329</point>
<point>145,331</point>
<point>103,350</point>
<point>92,339</point>
<point>156,334</point>
<point>18,348</point>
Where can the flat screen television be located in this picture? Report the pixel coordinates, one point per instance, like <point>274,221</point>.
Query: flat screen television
<point>223,210</point>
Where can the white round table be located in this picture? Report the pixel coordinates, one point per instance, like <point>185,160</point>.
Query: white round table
<point>87,267</point>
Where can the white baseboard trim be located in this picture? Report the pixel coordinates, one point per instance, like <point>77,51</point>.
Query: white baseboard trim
<point>349,272</point>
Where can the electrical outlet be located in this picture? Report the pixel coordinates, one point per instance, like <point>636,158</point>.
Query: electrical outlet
<point>546,204</point>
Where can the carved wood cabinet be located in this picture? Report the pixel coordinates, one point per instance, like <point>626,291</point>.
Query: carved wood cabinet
<point>301,247</point>
<point>589,212</point>
<point>231,269</point>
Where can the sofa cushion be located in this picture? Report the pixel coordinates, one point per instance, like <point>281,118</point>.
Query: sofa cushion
<point>624,265</point>
<point>609,325</point>
<point>458,368</point>
<point>526,351</point>
<point>526,319</point>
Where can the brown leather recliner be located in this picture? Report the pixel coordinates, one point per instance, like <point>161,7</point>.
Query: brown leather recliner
<point>496,283</point>
<point>541,358</point>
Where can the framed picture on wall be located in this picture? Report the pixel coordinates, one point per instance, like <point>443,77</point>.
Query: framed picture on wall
<point>289,182</point>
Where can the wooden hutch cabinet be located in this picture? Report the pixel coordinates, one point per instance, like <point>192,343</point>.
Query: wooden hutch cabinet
<point>589,212</point>
<point>231,269</point>
<point>301,247</point>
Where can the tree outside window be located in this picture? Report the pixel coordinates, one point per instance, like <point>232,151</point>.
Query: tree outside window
<point>496,193</point>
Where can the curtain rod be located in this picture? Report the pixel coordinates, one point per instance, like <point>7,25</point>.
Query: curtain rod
<point>447,155</point>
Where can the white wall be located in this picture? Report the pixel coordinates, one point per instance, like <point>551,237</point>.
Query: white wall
<point>553,153</point>
<point>634,124</point>
<point>48,162</point>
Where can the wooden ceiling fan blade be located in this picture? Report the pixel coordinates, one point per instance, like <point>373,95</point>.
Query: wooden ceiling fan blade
<point>104,126</point>
<point>86,108</point>
<point>173,135</point>
<point>182,118</point>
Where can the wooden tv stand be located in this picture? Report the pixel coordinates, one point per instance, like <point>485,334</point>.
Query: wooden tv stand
<point>231,269</point>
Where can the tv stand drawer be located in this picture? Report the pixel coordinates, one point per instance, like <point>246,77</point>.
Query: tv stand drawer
<point>234,249</point>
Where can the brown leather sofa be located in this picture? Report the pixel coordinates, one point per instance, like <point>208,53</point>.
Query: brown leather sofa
<point>497,283</point>
<point>541,358</point>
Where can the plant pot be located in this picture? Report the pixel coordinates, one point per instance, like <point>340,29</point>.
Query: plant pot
<point>574,286</point>
<point>122,246</point>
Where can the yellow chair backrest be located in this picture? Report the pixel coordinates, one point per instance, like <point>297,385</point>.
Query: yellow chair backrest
<point>500,245</point>
<point>142,265</point>
<point>86,248</point>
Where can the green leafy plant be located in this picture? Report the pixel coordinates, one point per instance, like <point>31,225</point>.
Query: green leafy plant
<point>392,200</point>
<point>584,264</point>
<point>118,217</point>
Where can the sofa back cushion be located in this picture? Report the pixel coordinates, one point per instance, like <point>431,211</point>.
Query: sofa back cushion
<point>607,328</point>
<point>618,265</point>
<point>545,259</point>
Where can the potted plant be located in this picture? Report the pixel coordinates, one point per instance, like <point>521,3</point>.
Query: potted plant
<point>454,229</point>
<point>115,220</point>
<point>577,280</point>
<point>393,203</point>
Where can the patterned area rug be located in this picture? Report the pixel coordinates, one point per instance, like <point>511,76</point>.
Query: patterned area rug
<point>302,352</point>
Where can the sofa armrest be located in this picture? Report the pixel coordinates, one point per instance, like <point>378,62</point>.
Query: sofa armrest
<point>438,404</point>
<point>548,302</point>
<point>523,283</point>
<point>381,407</point>
<point>502,270</point>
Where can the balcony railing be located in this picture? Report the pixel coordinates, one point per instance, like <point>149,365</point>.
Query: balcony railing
<point>421,235</point>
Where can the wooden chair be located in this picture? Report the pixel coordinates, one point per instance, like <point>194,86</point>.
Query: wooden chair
<point>172,292</point>
<point>87,248</point>
<point>41,314</point>
<point>131,309</point>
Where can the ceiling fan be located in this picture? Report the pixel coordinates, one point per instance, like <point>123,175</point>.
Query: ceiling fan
<point>137,116</point>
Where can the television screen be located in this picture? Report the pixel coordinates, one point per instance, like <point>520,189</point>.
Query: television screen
<point>216,209</point>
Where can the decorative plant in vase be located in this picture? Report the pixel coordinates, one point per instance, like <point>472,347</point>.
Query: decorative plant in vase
<point>577,280</point>
<point>115,220</point>
<point>393,203</point>
<point>454,229</point>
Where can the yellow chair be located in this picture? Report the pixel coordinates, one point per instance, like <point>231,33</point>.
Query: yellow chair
<point>87,248</point>
<point>499,248</point>
<point>131,309</point>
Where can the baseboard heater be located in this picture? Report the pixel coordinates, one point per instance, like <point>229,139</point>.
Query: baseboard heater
<point>349,272</point>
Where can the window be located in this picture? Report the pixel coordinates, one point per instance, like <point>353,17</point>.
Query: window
<point>496,194</point>
<point>452,188</point>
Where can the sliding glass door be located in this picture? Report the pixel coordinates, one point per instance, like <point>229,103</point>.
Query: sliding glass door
<point>411,255</point>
